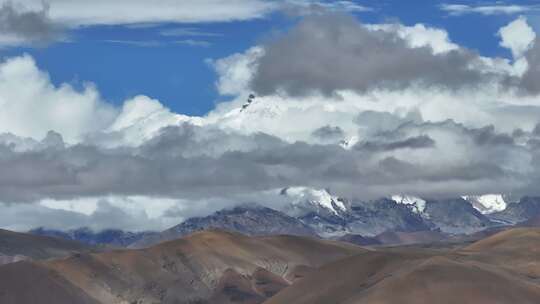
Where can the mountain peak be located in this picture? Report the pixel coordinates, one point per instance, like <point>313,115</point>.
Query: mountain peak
<point>306,200</point>
<point>417,204</point>
<point>487,203</point>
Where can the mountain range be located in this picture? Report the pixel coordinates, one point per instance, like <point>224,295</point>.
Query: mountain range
<point>317,213</point>
<point>319,249</point>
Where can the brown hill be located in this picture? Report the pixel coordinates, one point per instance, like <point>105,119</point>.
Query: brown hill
<point>478,274</point>
<point>215,266</point>
<point>516,250</point>
<point>30,282</point>
<point>409,238</point>
<point>16,246</point>
<point>532,222</point>
<point>206,267</point>
<point>509,240</point>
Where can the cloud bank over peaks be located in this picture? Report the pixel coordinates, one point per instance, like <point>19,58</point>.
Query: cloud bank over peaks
<point>396,94</point>
<point>334,55</point>
<point>334,52</point>
<point>139,120</point>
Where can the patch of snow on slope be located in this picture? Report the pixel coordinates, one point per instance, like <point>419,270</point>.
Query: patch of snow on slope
<point>417,204</point>
<point>488,203</point>
<point>308,199</point>
<point>349,142</point>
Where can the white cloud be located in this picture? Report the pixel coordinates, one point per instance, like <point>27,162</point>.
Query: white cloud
<point>106,12</point>
<point>11,39</point>
<point>140,119</point>
<point>193,42</point>
<point>517,36</point>
<point>188,32</point>
<point>296,119</point>
<point>31,105</point>
<point>29,22</point>
<point>132,213</point>
<point>344,6</point>
<point>38,22</point>
<point>279,115</point>
<point>420,35</point>
<point>495,9</point>
<point>235,71</point>
<point>76,114</point>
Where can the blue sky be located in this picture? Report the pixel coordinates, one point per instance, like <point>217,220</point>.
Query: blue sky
<point>178,74</point>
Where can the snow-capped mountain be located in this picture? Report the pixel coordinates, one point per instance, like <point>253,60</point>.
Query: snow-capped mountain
<point>456,216</point>
<point>377,216</point>
<point>318,212</point>
<point>460,215</point>
<point>305,200</point>
<point>416,204</point>
<point>331,216</point>
<point>488,203</point>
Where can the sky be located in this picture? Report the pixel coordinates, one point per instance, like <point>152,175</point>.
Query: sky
<point>137,114</point>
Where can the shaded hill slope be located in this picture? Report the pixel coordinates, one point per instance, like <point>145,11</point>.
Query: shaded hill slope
<point>499,269</point>
<point>14,246</point>
<point>29,282</point>
<point>206,267</point>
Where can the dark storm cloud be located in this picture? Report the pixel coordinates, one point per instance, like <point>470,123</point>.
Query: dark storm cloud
<point>393,168</point>
<point>488,136</point>
<point>529,81</point>
<point>23,217</point>
<point>30,26</point>
<point>182,161</point>
<point>328,133</point>
<point>417,142</point>
<point>536,130</point>
<point>87,171</point>
<point>331,52</point>
<point>383,121</point>
<point>197,163</point>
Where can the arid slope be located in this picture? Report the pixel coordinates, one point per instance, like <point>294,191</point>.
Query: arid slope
<point>499,269</point>
<point>16,246</point>
<point>206,267</point>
